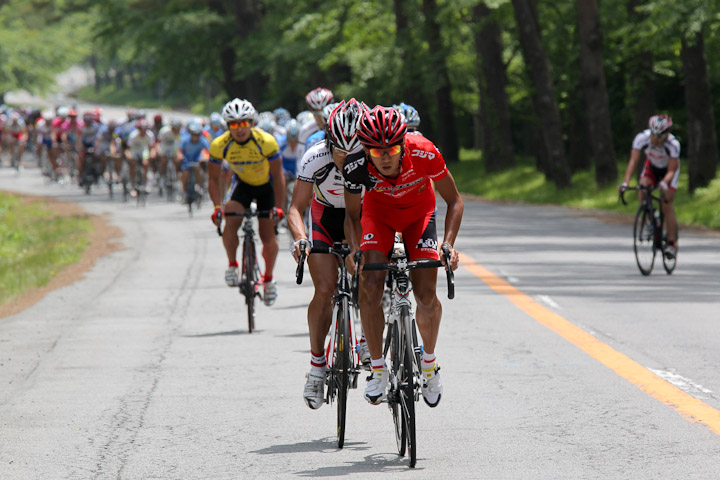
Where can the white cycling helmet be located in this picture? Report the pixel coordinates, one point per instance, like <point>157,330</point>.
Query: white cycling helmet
<point>237,109</point>
<point>317,99</point>
<point>659,124</point>
<point>343,125</point>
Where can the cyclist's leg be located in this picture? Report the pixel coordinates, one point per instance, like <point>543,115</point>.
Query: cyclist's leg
<point>323,270</point>
<point>266,228</point>
<point>669,209</point>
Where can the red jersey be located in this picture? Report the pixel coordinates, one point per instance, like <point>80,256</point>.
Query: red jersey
<point>421,162</point>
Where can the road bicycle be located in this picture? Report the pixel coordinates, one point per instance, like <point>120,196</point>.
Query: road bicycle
<point>250,281</point>
<point>91,170</point>
<point>341,350</point>
<point>650,231</point>
<point>401,341</point>
<point>193,191</point>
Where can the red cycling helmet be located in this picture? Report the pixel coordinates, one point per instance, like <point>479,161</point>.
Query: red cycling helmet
<point>381,127</point>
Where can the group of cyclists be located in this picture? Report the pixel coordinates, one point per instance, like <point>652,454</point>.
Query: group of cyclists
<point>342,171</point>
<point>363,175</point>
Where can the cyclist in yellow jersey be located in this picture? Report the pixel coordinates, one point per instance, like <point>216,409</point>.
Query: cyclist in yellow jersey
<point>254,158</point>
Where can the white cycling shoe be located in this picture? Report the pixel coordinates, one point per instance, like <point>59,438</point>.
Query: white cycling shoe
<point>314,393</point>
<point>432,388</point>
<point>364,354</point>
<point>231,277</point>
<point>269,292</point>
<point>376,390</point>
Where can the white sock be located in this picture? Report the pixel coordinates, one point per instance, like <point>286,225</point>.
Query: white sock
<point>379,363</point>
<point>318,363</point>
<point>428,360</point>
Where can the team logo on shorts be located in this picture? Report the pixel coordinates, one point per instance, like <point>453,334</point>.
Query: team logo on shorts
<point>369,236</point>
<point>427,243</point>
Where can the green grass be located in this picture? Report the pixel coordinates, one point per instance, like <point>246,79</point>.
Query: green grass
<point>35,244</point>
<point>523,183</point>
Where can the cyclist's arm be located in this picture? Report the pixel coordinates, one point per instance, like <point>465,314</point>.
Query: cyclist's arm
<point>448,191</point>
<point>671,169</point>
<point>214,180</point>
<point>302,194</point>
<point>278,182</point>
<point>353,228</point>
<point>632,164</point>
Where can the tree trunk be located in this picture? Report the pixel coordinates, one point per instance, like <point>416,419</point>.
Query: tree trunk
<point>413,85</point>
<point>441,81</point>
<point>702,141</point>
<point>544,95</point>
<point>98,77</point>
<point>492,82</point>
<point>641,80</point>
<point>595,90</point>
<point>579,156</point>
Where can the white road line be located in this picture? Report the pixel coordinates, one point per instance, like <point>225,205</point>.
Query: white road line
<point>685,384</point>
<point>549,301</point>
<point>507,277</point>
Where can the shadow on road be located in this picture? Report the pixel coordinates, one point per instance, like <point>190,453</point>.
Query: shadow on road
<point>381,462</point>
<point>221,334</point>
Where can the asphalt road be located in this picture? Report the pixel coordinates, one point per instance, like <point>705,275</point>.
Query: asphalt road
<point>144,369</point>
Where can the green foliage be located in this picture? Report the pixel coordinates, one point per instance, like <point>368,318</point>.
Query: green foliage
<point>35,44</point>
<point>523,183</point>
<point>35,244</point>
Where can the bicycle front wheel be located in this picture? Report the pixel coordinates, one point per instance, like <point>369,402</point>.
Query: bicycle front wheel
<point>396,408</point>
<point>249,281</point>
<point>408,386</point>
<point>669,263</point>
<point>644,240</point>
<point>342,367</point>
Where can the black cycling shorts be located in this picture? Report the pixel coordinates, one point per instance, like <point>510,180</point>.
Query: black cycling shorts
<point>244,194</point>
<point>328,225</point>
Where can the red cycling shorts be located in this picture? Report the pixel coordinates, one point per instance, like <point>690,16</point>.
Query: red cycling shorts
<point>417,225</point>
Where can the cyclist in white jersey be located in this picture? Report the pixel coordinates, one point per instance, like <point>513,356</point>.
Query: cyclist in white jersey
<point>662,167</point>
<point>168,142</point>
<point>141,147</point>
<point>320,180</point>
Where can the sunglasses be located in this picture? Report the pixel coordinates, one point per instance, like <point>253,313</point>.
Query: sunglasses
<point>240,124</point>
<point>378,152</point>
<point>340,150</point>
<point>660,135</point>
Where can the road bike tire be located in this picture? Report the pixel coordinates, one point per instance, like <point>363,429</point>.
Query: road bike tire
<point>341,365</point>
<point>190,191</point>
<point>249,261</point>
<point>644,240</point>
<point>408,385</point>
<point>669,264</point>
<point>396,349</point>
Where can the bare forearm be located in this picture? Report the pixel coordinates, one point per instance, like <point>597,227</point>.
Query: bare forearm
<point>453,218</point>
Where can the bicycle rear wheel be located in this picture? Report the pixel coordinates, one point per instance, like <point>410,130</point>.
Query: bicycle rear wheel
<point>341,364</point>
<point>408,384</point>
<point>644,240</point>
<point>396,349</point>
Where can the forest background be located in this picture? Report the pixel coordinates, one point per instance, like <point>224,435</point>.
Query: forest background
<point>560,87</point>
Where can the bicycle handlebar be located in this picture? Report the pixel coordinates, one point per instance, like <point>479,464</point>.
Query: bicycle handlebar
<point>247,214</point>
<point>647,188</point>
<point>393,266</point>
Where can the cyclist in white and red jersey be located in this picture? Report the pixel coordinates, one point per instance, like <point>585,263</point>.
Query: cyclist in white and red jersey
<point>16,135</point>
<point>320,181</point>
<point>316,100</point>
<point>662,167</point>
<point>396,171</point>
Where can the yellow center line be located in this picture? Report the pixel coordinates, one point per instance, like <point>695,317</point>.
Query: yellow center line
<point>688,406</point>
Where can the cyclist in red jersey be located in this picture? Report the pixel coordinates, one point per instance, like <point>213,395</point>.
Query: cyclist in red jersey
<point>396,172</point>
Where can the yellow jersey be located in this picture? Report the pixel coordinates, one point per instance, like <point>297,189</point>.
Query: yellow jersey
<point>249,161</point>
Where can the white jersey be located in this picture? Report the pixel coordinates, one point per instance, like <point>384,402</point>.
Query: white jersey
<point>169,141</point>
<point>307,129</point>
<point>318,168</point>
<point>659,156</point>
<point>138,144</point>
